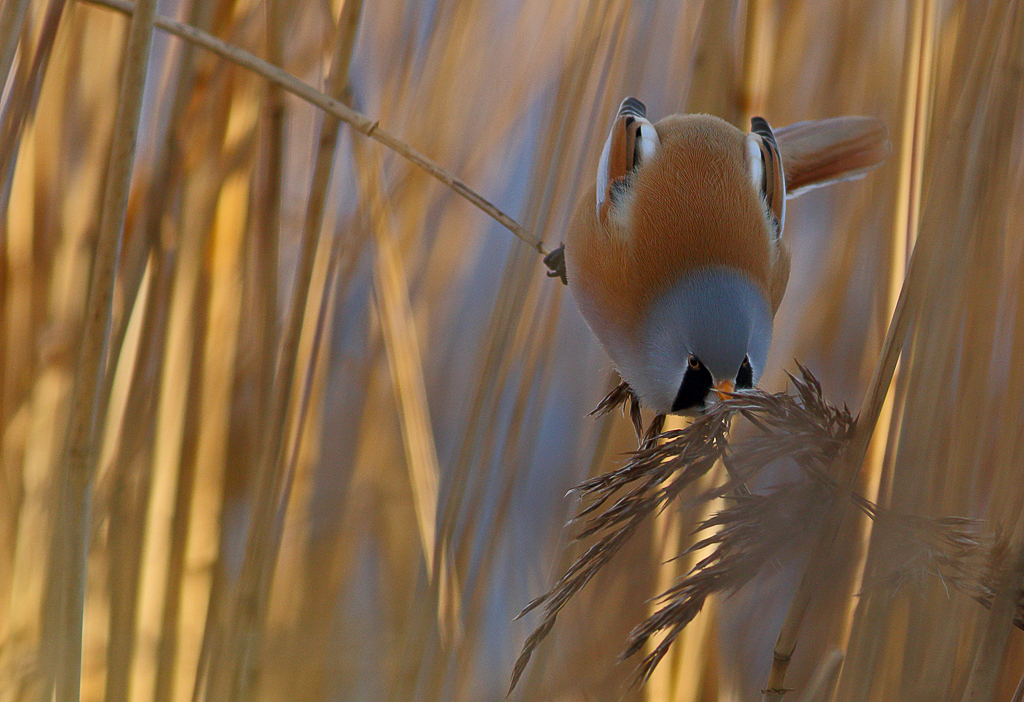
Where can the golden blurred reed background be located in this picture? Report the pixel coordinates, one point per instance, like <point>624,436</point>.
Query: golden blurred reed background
<point>285,417</point>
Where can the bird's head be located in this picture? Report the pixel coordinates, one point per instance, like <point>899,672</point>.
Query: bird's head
<point>707,335</point>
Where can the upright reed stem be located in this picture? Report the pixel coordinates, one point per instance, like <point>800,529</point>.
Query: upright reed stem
<point>70,546</point>
<point>920,268</point>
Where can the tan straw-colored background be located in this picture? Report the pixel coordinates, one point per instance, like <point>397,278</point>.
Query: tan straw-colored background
<point>286,417</point>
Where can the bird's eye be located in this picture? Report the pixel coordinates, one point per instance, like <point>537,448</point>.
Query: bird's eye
<point>694,363</point>
<point>745,377</point>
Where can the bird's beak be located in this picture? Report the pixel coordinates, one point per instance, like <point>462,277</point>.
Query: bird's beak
<point>724,389</point>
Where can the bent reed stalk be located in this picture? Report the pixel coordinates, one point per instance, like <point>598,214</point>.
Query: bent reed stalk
<point>356,120</point>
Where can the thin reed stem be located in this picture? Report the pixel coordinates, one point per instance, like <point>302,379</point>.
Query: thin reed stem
<point>84,424</point>
<point>12,17</point>
<point>826,675</point>
<point>920,269</point>
<point>1004,98</point>
<point>1018,694</point>
<point>21,104</point>
<point>850,463</point>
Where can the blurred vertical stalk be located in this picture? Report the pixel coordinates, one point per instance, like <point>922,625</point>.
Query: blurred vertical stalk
<point>758,53</point>
<point>391,293</point>
<point>925,269</point>
<point>134,462</point>
<point>849,467</point>
<point>24,93</point>
<point>190,558</point>
<point>12,18</point>
<point>175,383</point>
<point>667,543</point>
<point>537,338</point>
<point>1004,98</point>
<point>918,88</point>
<point>264,245</point>
<point>16,116</point>
<point>822,684</point>
<point>81,444</point>
<point>492,362</point>
<point>713,86</point>
<point>130,476</point>
<point>684,674</point>
<point>164,186</point>
<point>264,536</point>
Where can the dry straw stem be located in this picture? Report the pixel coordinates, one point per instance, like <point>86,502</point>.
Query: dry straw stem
<point>516,308</point>
<point>273,479</point>
<point>24,93</point>
<point>130,489</point>
<point>12,17</point>
<point>145,251</point>
<point>391,292</point>
<point>1005,608</point>
<point>1018,694</point>
<point>921,267</point>
<point>324,159</point>
<point>264,238</point>
<point>758,40</point>
<point>1003,102</point>
<point>850,463</point>
<point>84,425</point>
<point>826,675</point>
<point>356,120</point>
<point>919,85</point>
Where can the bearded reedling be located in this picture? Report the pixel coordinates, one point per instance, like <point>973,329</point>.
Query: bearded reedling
<point>679,266</point>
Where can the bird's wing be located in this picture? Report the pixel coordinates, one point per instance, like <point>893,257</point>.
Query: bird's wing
<point>773,180</point>
<point>631,140</point>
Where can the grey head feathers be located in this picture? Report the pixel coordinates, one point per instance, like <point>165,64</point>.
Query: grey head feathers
<point>717,315</point>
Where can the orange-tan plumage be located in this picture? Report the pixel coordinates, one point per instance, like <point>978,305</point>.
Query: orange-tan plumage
<point>684,213</point>
<point>679,266</point>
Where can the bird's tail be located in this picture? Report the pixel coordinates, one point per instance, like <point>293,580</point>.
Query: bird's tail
<point>829,150</point>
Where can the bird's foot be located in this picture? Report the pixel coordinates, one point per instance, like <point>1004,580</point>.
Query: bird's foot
<point>555,261</point>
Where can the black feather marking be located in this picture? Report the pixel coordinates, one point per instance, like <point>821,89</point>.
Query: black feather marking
<point>759,125</point>
<point>773,179</point>
<point>696,385</point>
<point>632,106</point>
<point>745,378</point>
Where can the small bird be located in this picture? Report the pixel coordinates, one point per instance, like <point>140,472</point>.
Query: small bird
<point>678,265</point>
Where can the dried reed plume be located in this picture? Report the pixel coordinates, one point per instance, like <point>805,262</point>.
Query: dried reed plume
<point>756,529</point>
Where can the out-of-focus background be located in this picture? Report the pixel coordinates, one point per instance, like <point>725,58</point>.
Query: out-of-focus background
<point>337,470</point>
